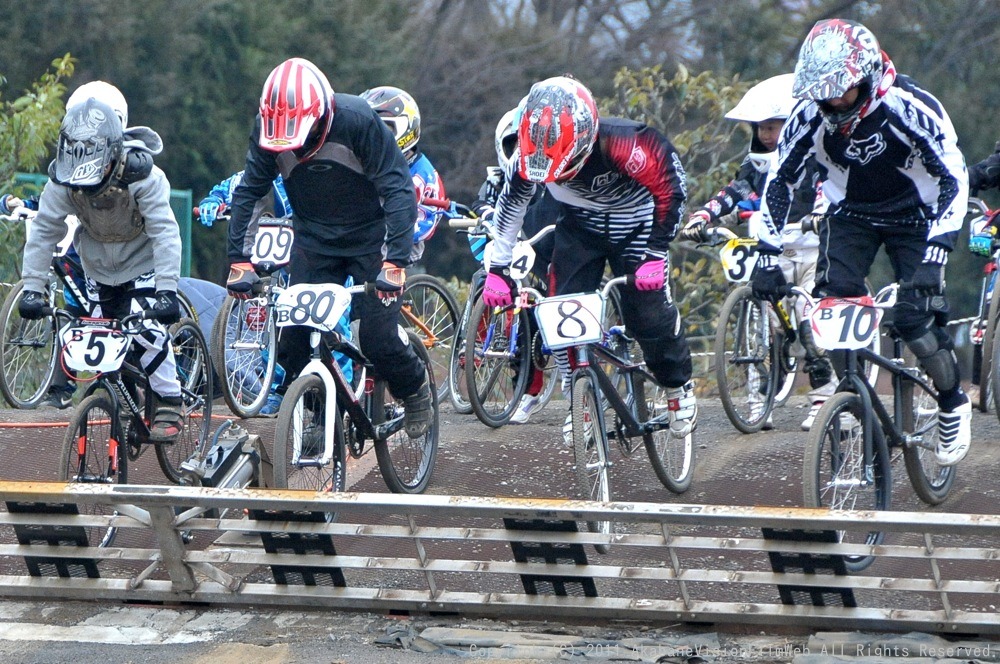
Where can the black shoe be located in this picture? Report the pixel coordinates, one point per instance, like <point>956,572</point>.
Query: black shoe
<point>60,399</point>
<point>417,416</point>
<point>168,422</point>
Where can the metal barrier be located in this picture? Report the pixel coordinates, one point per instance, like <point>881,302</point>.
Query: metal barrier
<point>499,556</point>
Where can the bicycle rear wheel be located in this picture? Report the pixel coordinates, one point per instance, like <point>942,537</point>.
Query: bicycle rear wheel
<point>244,351</point>
<point>988,368</point>
<point>194,371</point>
<point>91,454</point>
<point>28,351</point>
<point>590,449</point>
<point>833,473</point>
<point>406,463</point>
<point>672,457</point>
<point>931,481</point>
<point>496,362</point>
<point>744,362</point>
<point>431,312</point>
<point>787,366</point>
<point>300,440</point>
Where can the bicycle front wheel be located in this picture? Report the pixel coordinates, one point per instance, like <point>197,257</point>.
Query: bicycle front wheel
<point>590,449</point>
<point>834,474</point>
<point>497,353</point>
<point>930,480</point>
<point>91,454</point>
<point>27,352</point>
<point>300,440</point>
<point>744,361</point>
<point>995,372</point>
<point>194,372</point>
<point>431,312</point>
<point>672,457</point>
<point>244,351</point>
<point>406,463</point>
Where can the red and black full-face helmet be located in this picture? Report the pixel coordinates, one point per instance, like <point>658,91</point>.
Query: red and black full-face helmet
<point>296,108</point>
<point>556,131</point>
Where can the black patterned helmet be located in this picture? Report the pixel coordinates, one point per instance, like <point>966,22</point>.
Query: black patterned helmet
<point>399,111</point>
<point>90,145</point>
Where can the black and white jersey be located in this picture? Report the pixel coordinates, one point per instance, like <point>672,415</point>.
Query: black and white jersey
<point>630,193</point>
<point>901,166</point>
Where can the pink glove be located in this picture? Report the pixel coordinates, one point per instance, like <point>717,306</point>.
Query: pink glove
<point>649,275</point>
<point>500,288</point>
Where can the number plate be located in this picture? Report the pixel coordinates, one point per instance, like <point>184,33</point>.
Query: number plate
<point>273,244</point>
<point>314,305</point>
<point>738,256</point>
<point>92,345</point>
<point>521,259</point>
<point>845,324</point>
<point>571,320</point>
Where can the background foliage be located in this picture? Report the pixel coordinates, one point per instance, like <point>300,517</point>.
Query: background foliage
<point>192,70</point>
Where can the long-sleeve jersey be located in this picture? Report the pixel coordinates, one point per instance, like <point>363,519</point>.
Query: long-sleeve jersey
<point>631,191</point>
<point>125,231</point>
<point>278,203</point>
<point>901,166</point>
<point>353,197</point>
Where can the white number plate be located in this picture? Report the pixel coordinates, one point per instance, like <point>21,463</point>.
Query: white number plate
<point>571,320</point>
<point>313,305</point>
<point>739,256</point>
<point>521,259</point>
<point>845,324</point>
<point>272,245</point>
<point>92,345</point>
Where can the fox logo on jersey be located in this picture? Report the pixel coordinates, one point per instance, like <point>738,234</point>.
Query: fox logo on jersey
<point>866,149</point>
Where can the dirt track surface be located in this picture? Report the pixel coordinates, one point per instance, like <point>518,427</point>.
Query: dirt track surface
<point>522,461</point>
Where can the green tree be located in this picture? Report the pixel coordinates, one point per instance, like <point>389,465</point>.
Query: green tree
<point>28,132</point>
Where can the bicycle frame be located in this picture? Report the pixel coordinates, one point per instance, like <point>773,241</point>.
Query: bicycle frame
<point>587,357</point>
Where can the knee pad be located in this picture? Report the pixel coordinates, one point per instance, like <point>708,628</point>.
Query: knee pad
<point>936,355</point>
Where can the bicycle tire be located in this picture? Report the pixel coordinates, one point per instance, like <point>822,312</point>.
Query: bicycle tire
<point>995,372</point>
<point>590,449</point>
<point>830,464</point>
<point>302,419</point>
<point>496,377</point>
<point>28,351</point>
<point>672,458</point>
<point>740,362</point>
<point>245,374</point>
<point>435,318</point>
<point>930,481</point>
<point>458,387</point>
<point>87,459</point>
<point>194,371</point>
<point>787,367</point>
<point>987,373</point>
<point>406,463</point>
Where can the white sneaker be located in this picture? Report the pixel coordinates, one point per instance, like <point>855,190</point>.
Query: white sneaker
<point>683,409</point>
<point>757,409</point>
<point>529,405</point>
<point>954,434</point>
<point>567,429</point>
<point>811,417</point>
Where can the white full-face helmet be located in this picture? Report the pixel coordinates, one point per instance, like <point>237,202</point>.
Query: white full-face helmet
<point>771,99</point>
<point>103,92</point>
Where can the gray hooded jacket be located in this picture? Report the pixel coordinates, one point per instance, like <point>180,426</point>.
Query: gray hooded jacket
<point>125,232</point>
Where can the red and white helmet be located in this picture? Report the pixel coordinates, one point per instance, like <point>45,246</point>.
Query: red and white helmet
<point>838,55</point>
<point>296,100</point>
<point>557,130</point>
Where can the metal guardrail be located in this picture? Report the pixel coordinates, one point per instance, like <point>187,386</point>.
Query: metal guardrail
<point>500,556</point>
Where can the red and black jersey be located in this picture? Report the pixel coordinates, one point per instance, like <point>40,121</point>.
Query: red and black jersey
<point>630,192</point>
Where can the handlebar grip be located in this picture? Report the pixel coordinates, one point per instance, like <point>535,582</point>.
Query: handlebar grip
<point>784,291</point>
<point>744,215</point>
<point>443,203</point>
<point>462,223</point>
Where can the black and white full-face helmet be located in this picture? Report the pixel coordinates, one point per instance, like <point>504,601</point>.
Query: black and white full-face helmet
<point>90,145</point>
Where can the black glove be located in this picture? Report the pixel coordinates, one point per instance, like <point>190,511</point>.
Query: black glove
<point>767,279</point>
<point>242,280</point>
<point>985,174</point>
<point>390,281</point>
<point>166,308</point>
<point>928,279</point>
<point>32,305</point>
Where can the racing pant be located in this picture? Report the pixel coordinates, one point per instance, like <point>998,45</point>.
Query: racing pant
<point>378,332</point>
<point>578,262</point>
<point>799,268</point>
<point>847,250</point>
<point>155,354</point>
